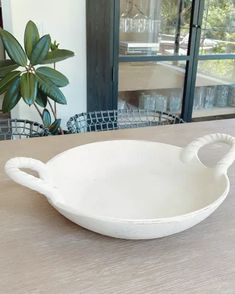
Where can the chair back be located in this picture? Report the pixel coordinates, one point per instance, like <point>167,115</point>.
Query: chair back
<point>12,129</point>
<point>119,119</point>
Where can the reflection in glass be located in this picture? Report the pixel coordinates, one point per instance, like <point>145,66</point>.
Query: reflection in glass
<point>209,98</point>
<point>153,101</point>
<point>150,27</point>
<point>218,29</point>
<point>215,91</point>
<point>151,85</point>
<point>199,98</point>
<point>222,96</point>
<point>231,97</point>
<point>175,102</point>
<point>126,17</point>
<point>141,22</point>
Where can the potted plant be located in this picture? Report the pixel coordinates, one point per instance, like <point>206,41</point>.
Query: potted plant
<point>26,75</point>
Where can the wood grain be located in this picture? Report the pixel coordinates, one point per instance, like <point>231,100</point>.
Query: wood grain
<point>42,252</point>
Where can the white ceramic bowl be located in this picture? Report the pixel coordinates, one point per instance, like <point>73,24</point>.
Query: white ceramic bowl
<point>131,189</point>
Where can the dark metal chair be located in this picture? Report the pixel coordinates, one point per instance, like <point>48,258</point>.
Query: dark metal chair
<point>119,119</point>
<point>12,129</point>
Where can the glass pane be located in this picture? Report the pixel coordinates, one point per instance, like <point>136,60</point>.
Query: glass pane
<point>218,29</point>
<point>154,27</point>
<point>215,88</point>
<point>151,85</point>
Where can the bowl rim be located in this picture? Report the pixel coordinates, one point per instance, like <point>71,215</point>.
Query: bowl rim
<point>57,156</point>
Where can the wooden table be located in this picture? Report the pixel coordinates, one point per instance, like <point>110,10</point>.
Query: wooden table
<point>42,252</point>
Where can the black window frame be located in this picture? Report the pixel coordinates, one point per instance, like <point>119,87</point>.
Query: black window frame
<point>103,58</point>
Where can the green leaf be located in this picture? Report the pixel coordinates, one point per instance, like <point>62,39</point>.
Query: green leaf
<point>54,128</point>
<point>31,37</point>
<point>12,96</point>
<point>7,66</point>
<point>57,55</point>
<point>54,76</point>
<point>54,46</point>
<point>28,87</point>
<point>50,89</point>
<point>41,99</point>
<point>5,82</point>
<point>46,118</point>
<point>40,50</point>
<point>13,48</point>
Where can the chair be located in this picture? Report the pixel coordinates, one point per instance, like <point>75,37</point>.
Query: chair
<point>11,129</point>
<point>119,119</point>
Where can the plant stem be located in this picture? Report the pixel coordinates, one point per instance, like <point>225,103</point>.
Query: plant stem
<point>39,112</point>
<point>55,108</point>
<point>52,110</point>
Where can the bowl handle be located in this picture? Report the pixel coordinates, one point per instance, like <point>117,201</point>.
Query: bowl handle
<point>13,170</point>
<point>191,151</point>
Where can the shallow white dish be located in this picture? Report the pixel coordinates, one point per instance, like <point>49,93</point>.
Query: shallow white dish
<point>131,189</point>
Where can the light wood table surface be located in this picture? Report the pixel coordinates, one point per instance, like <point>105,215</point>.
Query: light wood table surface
<point>42,252</point>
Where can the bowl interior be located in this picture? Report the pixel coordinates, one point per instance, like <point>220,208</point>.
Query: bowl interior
<point>133,180</point>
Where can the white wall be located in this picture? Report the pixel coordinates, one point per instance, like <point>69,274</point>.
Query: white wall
<point>65,21</point>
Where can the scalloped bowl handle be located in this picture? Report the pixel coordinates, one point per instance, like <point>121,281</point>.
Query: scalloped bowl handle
<point>221,168</point>
<point>13,170</point>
